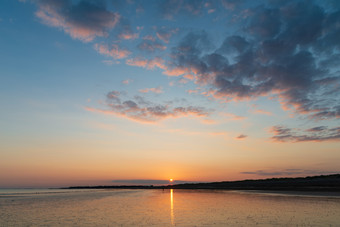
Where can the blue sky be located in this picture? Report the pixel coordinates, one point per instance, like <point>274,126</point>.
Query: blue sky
<point>95,91</point>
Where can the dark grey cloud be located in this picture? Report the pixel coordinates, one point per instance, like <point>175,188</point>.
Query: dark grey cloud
<point>285,49</point>
<point>139,109</point>
<point>316,134</point>
<point>265,23</point>
<point>83,20</point>
<point>242,136</point>
<point>189,53</point>
<point>287,172</point>
<point>232,4</point>
<point>233,44</point>
<point>169,8</point>
<point>317,129</point>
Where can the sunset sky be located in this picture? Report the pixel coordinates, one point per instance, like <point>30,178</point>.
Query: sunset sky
<point>98,92</point>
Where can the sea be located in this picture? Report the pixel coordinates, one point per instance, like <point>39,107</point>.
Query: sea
<point>169,207</point>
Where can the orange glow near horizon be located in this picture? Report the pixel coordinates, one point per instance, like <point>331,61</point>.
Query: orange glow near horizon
<point>171,180</point>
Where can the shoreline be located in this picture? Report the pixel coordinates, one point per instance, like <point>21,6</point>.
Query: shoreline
<point>314,184</point>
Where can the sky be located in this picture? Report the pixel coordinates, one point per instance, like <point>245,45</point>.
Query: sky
<point>100,92</point>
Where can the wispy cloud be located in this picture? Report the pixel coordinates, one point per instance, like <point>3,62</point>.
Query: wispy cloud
<point>315,134</point>
<point>148,45</point>
<point>141,110</point>
<point>156,90</point>
<point>233,116</point>
<point>145,63</point>
<point>287,172</point>
<point>113,51</point>
<point>165,34</point>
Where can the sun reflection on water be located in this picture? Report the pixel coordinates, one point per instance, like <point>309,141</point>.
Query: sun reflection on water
<point>172,207</point>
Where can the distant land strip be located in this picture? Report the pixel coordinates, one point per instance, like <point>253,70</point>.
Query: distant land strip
<point>322,183</point>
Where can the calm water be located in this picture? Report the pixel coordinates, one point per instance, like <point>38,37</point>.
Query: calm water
<point>164,208</point>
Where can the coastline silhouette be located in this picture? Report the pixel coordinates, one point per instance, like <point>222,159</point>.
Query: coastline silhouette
<point>321,183</point>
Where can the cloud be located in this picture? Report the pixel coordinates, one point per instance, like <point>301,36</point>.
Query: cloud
<point>145,63</point>
<point>233,116</point>
<point>127,81</point>
<point>149,37</point>
<point>165,34</point>
<point>192,91</point>
<point>170,8</point>
<point>231,4</point>
<point>287,172</point>
<point>128,35</point>
<point>141,110</point>
<point>315,134</point>
<point>260,111</point>
<point>241,137</point>
<point>156,90</point>
<point>84,20</point>
<point>113,51</point>
<point>189,76</point>
<point>286,50</point>
<point>283,49</point>
<point>126,32</point>
<point>176,71</point>
<point>151,46</point>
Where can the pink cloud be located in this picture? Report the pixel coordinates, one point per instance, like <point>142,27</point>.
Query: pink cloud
<point>156,90</point>
<point>208,121</point>
<point>190,91</point>
<point>115,51</point>
<point>128,81</point>
<point>233,116</point>
<point>128,35</point>
<point>176,71</point>
<point>165,35</point>
<point>260,111</point>
<point>145,63</point>
<point>189,76</point>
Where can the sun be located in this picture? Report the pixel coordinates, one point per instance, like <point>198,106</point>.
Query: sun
<point>171,180</point>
